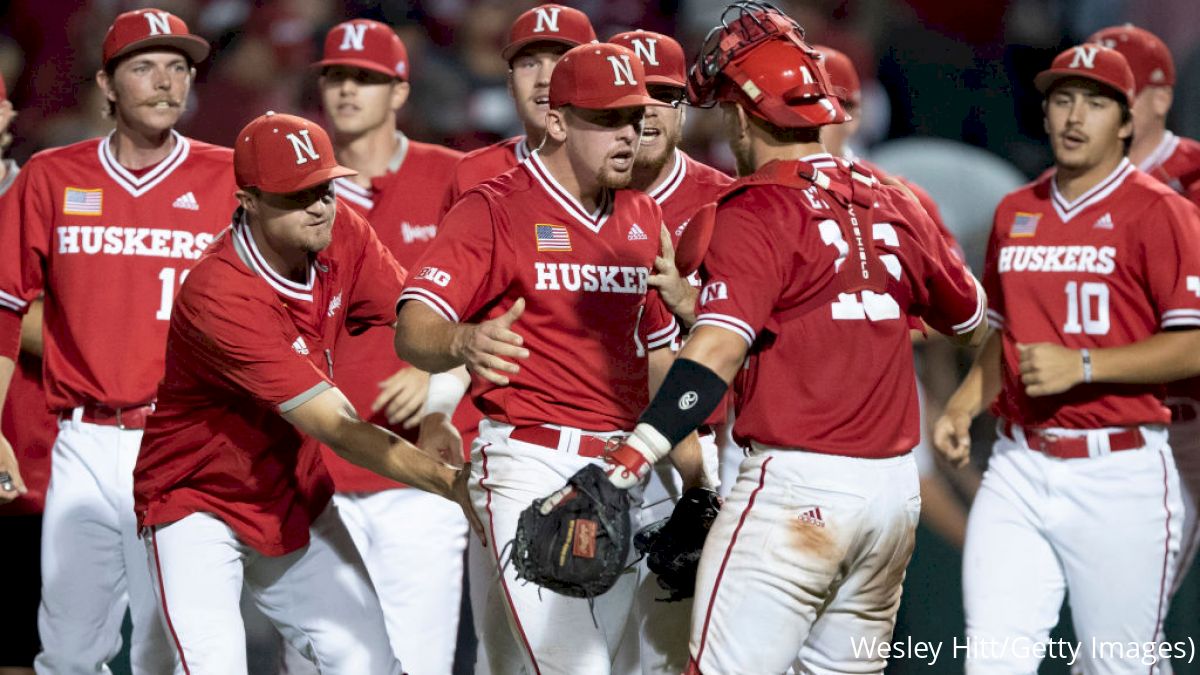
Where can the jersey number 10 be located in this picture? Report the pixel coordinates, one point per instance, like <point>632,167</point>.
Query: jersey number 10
<point>1087,308</point>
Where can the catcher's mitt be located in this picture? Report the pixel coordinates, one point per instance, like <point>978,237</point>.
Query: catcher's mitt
<point>672,546</point>
<point>576,540</point>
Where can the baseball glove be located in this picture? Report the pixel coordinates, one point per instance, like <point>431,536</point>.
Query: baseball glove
<point>575,541</point>
<point>672,546</point>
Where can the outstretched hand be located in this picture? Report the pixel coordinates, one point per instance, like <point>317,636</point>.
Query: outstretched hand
<point>489,348</point>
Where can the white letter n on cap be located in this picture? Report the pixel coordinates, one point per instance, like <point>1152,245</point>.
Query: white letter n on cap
<point>547,19</point>
<point>352,37</point>
<point>646,49</point>
<point>303,147</point>
<point>1084,56</point>
<point>159,23</point>
<point>622,70</point>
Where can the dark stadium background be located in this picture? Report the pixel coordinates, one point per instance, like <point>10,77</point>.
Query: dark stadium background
<point>942,69</point>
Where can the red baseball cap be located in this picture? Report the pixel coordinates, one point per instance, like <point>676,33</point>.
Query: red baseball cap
<point>843,78</point>
<point>600,76</point>
<point>145,28</point>
<point>1091,62</point>
<point>661,56</point>
<point>365,44</point>
<point>1148,57</point>
<point>284,154</point>
<point>548,23</point>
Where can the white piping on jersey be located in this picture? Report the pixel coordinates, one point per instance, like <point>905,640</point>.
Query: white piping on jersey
<point>432,300</point>
<point>521,149</point>
<point>980,310</point>
<point>258,264</point>
<point>364,196</point>
<point>12,302</point>
<point>354,193</point>
<point>729,323</point>
<point>592,221</point>
<point>821,160</point>
<point>663,336</point>
<point>397,159</point>
<point>1180,317</point>
<point>1164,150</point>
<point>674,179</point>
<point>140,185</point>
<point>1068,210</point>
<point>10,176</point>
<point>995,319</point>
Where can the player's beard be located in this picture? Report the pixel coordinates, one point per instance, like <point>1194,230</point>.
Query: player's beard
<point>653,163</point>
<point>613,180</point>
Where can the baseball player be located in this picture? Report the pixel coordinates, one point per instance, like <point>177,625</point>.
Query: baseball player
<point>398,188</point>
<point>1175,161</point>
<point>108,228</point>
<point>31,429</point>
<point>559,247</point>
<point>225,487</point>
<point>680,185</point>
<point>1091,273</point>
<point>536,40</point>
<point>809,550</point>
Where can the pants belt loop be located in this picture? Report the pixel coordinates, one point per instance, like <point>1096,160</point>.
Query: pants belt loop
<point>77,415</point>
<point>1098,443</point>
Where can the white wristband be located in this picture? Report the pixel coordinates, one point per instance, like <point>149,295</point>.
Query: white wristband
<point>1086,355</point>
<point>445,391</point>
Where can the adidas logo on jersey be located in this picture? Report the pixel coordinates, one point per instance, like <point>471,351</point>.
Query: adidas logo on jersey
<point>186,201</point>
<point>813,517</point>
<point>1104,222</point>
<point>636,234</point>
<point>300,347</point>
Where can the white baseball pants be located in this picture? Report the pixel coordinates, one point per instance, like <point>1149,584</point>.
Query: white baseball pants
<point>412,543</point>
<point>93,565</point>
<point>804,565</point>
<point>1104,530</point>
<point>543,632</point>
<point>319,597</point>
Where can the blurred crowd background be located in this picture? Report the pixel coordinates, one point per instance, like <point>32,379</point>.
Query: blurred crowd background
<point>948,101</point>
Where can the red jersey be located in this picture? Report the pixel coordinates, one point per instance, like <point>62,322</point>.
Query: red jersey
<point>1176,162</point>
<point>109,248</point>
<point>1115,266</point>
<point>246,345</point>
<point>838,379</point>
<point>587,321</point>
<point>403,207</point>
<point>484,164</point>
<point>25,422</point>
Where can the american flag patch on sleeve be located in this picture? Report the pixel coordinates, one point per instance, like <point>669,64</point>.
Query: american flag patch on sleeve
<point>81,202</point>
<point>552,237</point>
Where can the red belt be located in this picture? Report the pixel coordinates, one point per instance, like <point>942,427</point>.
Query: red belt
<point>130,417</point>
<point>548,437</point>
<point>1076,447</point>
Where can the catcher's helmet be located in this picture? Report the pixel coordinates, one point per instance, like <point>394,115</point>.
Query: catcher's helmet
<point>757,56</point>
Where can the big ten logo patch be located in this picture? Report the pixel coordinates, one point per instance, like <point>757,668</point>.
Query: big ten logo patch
<point>437,276</point>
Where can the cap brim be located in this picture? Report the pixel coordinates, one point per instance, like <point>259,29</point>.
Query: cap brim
<point>196,48</point>
<point>1045,81</point>
<point>668,81</point>
<point>693,243</point>
<point>514,48</point>
<point>309,180</point>
<point>359,63</point>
